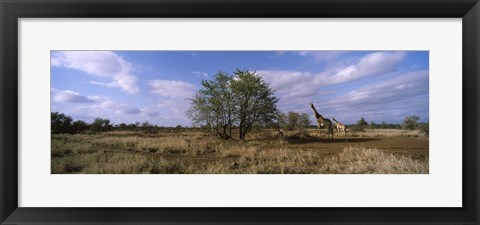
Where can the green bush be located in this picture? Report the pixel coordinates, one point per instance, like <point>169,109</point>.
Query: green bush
<point>100,125</point>
<point>410,122</point>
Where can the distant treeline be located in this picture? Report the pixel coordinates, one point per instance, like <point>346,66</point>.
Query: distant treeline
<point>61,123</point>
<point>291,121</point>
<point>409,123</point>
<point>362,124</point>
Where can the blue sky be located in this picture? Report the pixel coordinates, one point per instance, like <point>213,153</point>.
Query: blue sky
<point>154,86</point>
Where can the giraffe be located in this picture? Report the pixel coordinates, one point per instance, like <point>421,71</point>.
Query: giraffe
<point>322,122</point>
<point>340,127</point>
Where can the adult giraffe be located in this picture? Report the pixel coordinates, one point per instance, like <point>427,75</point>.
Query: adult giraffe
<point>322,122</point>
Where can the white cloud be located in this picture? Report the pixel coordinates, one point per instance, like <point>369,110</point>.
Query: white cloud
<point>89,107</point>
<point>172,88</point>
<point>289,83</point>
<point>318,56</point>
<point>371,64</point>
<point>177,106</point>
<point>323,56</point>
<point>105,64</point>
<point>173,101</point>
<point>124,109</point>
<point>283,79</point>
<point>173,110</point>
<point>68,96</point>
<point>389,100</point>
<point>107,108</point>
<point>387,91</point>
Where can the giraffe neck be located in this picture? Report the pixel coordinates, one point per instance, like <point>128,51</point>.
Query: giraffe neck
<point>317,115</point>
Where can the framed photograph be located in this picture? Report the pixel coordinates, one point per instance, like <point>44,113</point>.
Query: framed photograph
<point>239,112</point>
<point>249,121</point>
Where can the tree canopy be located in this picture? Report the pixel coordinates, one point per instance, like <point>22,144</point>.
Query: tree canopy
<point>240,101</point>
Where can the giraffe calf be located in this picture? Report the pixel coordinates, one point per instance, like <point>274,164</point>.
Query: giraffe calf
<point>340,127</point>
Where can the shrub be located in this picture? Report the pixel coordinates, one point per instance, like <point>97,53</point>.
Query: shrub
<point>147,128</point>
<point>294,121</point>
<point>60,123</point>
<point>72,167</point>
<point>100,125</point>
<point>362,123</point>
<point>410,122</point>
<point>424,127</point>
<point>359,126</point>
<point>79,126</point>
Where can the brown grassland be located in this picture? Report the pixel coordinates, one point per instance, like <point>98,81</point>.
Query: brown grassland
<point>193,151</point>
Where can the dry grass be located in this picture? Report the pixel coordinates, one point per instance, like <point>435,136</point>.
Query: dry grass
<point>195,152</point>
<point>354,160</point>
<point>388,133</point>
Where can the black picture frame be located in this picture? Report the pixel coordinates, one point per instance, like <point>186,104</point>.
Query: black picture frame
<point>12,10</point>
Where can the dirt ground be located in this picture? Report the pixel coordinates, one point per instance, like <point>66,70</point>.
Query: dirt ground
<point>414,147</point>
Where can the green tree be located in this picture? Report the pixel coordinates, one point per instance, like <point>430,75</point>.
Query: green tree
<point>79,126</point>
<point>213,107</point>
<point>293,119</point>
<point>131,126</point>
<point>282,119</point>
<point>360,125</point>
<point>123,126</point>
<point>240,101</point>
<point>362,122</point>
<point>304,121</point>
<point>254,100</point>
<point>410,122</point>
<point>99,125</point>
<point>60,123</point>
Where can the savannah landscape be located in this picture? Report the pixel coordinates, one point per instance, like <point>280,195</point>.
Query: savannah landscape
<point>199,151</point>
<point>243,122</point>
